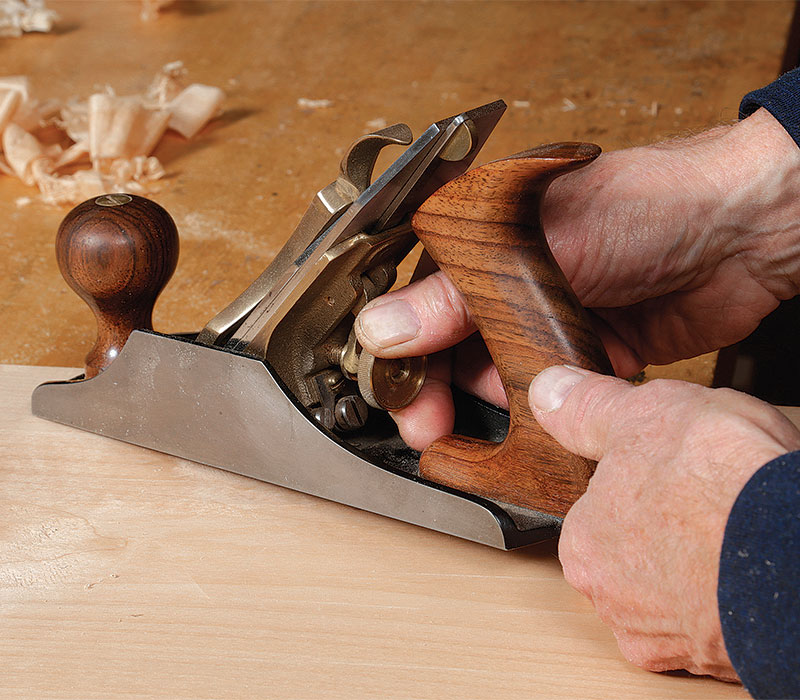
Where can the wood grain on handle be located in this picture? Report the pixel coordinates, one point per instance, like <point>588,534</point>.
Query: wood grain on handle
<point>484,231</point>
<point>117,252</point>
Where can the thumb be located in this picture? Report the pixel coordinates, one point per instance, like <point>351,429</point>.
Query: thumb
<point>427,316</point>
<point>583,410</point>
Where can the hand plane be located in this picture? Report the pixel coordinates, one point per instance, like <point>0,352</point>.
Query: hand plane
<point>276,386</point>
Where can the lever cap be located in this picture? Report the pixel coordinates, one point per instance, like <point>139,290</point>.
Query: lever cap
<point>117,252</point>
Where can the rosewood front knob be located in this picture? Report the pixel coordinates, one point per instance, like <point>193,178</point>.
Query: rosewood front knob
<point>117,252</point>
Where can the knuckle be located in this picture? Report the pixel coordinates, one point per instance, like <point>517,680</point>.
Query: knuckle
<point>593,397</point>
<point>446,303</point>
<point>575,574</point>
<point>758,414</point>
<point>737,415</point>
<point>666,392</point>
<point>572,545</point>
<point>631,649</point>
<point>593,411</point>
<point>652,410</point>
<point>646,652</point>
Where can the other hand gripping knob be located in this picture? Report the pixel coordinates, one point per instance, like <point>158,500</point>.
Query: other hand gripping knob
<point>117,252</point>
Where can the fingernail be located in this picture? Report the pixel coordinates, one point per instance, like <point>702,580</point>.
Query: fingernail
<point>390,323</point>
<point>550,388</point>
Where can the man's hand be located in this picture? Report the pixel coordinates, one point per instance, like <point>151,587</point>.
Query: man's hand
<point>678,249</point>
<point>681,248</point>
<point>643,543</point>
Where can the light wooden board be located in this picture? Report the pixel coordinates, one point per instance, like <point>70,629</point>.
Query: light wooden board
<point>127,573</point>
<point>617,73</point>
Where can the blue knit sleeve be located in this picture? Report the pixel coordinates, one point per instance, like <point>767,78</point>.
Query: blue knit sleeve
<point>781,99</point>
<point>759,581</point>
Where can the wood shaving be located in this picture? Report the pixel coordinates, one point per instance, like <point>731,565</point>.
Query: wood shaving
<point>20,16</point>
<point>104,143</point>
<point>193,107</point>
<point>10,101</point>
<point>306,103</point>
<point>122,127</point>
<point>167,84</point>
<point>22,150</point>
<point>16,82</point>
<point>151,8</point>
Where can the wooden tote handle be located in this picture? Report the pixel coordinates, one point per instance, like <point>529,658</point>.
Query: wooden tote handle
<point>117,252</point>
<point>484,231</point>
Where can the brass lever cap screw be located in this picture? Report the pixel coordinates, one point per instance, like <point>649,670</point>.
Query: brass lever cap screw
<point>390,384</point>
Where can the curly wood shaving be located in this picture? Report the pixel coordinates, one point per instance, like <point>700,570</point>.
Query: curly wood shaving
<point>33,114</point>
<point>22,150</point>
<point>5,167</point>
<point>122,127</point>
<point>167,85</point>
<point>9,103</point>
<point>16,82</point>
<point>74,119</point>
<point>193,108</point>
<point>76,153</point>
<point>129,175</point>
<point>69,189</point>
<point>20,16</point>
<point>112,137</point>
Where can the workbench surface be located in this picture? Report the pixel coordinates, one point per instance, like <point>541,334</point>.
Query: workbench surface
<point>124,572</point>
<point>128,573</point>
<point>617,73</point>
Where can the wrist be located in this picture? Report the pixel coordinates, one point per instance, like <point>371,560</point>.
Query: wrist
<point>753,170</point>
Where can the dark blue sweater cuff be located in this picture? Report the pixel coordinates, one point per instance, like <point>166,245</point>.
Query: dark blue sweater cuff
<point>759,581</point>
<point>781,99</point>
